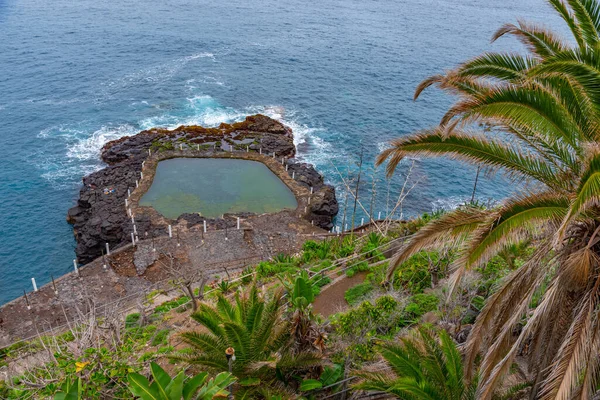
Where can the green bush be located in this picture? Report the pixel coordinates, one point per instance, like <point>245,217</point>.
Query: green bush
<point>358,293</point>
<point>360,267</point>
<point>414,274</point>
<point>171,304</point>
<point>362,323</point>
<point>372,249</point>
<point>160,337</point>
<point>322,265</point>
<point>419,305</point>
<point>247,279</point>
<point>267,269</point>
<point>345,247</point>
<point>132,320</point>
<point>316,250</point>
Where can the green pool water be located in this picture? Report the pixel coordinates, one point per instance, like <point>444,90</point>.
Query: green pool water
<point>214,186</point>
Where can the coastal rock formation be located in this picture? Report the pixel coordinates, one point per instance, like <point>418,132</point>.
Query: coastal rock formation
<point>100,215</point>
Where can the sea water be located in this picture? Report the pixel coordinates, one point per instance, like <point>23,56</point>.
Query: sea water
<point>341,73</point>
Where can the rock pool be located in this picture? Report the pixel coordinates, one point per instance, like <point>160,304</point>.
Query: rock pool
<point>215,186</point>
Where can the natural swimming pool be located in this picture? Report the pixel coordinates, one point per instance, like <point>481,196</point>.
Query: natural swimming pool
<point>215,186</point>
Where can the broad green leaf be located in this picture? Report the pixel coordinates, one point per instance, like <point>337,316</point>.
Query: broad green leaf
<point>216,387</point>
<point>140,387</point>
<point>175,388</point>
<point>191,386</point>
<point>161,378</point>
<point>249,382</point>
<point>331,375</point>
<point>303,289</point>
<point>310,384</point>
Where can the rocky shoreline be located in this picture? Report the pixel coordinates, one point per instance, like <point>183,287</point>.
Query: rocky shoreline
<point>101,217</point>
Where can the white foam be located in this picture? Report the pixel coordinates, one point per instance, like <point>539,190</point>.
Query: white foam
<point>448,203</point>
<point>200,55</point>
<point>156,73</point>
<point>452,202</point>
<point>89,148</point>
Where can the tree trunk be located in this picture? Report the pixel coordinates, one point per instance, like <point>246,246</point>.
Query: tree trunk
<point>190,291</point>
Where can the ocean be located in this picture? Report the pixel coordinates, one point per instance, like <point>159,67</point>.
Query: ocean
<point>341,73</point>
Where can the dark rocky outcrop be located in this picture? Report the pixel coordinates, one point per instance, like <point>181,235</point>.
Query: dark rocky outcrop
<point>100,216</point>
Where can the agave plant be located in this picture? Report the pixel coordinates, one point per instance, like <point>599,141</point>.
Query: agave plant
<point>543,111</point>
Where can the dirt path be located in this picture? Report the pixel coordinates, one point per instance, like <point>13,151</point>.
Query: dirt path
<point>331,299</point>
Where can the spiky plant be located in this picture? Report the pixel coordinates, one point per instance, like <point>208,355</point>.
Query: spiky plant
<point>255,328</point>
<point>421,367</point>
<point>543,109</point>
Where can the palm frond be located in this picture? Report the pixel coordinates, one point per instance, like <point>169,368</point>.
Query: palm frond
<point>566,14</point>
<point>587,13</point>
<point>572,358</point>
<point>538,40</point>
<point>489,383</point>
<point>516,220</point>
<point>587,194</point>
<point>502,303</point>
<point>497,66</point>
<point>528,105</point>
<point>474,149</point>
<point>453,226</point>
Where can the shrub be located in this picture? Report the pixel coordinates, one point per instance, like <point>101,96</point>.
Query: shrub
<point>322,265</point>
<point>132,320</point>
<point>372,249</point>
<point>247,279</point>
<point>266,269</point>
<point>361,323</point>
<point>357,293</point>
<point>419,305</point>
<point>160,337</point>
<point>171,304</point>
<point>345,247</point>
<point>316,251</point>
<point>360,267</point>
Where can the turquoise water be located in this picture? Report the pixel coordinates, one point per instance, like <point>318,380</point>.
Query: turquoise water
<point>213,187</point>
<point>76,74</point>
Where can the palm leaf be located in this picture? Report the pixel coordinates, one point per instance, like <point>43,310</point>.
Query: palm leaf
<point>573,356</point>
<point>568,17</point>
<point>538,40</point>
<point>471,148</point>
<point>588,19</point>
<point>497,66</point>
<point>528,105</point>
<point>512,223</point>
<point>455,225</point>
<point>587,195</point>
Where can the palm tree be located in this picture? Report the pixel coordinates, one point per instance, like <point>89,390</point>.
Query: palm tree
<point>544,110</point>
<point>255,328</point>
<point>421,368</point>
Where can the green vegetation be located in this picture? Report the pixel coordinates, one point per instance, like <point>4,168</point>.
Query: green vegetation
<point>358,292</point>
<point>539,115</point>
<point>423,368</point>
<point>181,387</point>
<point>517,279</point>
